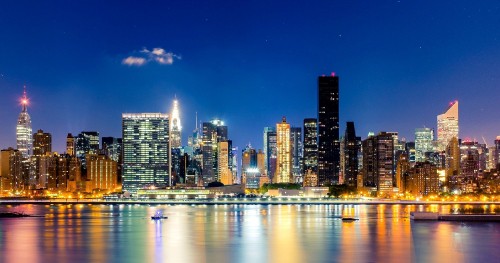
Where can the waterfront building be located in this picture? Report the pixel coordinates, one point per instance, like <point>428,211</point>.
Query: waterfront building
<point>112,148</point>
<point>284,154</point>
<point>378,162</point>
<point>102,172</point>
<point>213,132</point>
<point>270,151</point>
<point>248,162</point>
<point>224,162</point>
<point>328,130</point>
<point>352,148</point>
<point>402,173</point>
<point>423,179</point>
<point>261,159</point>
<point>310,146</point>
<point>146,147</point>
<point>423,143</point>
<point>70,145</point>
<point>42,143</point>
<point>24,133</point>
<point>453,158</point>
<point>447,126</point>
<point>297,153</point>
<point>87,142</point>
<point>10,171</point>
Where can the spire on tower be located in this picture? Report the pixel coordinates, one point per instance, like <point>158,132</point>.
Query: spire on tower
<point>24,99</point>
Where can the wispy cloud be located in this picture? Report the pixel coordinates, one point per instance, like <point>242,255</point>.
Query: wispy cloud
<point>157,55</point>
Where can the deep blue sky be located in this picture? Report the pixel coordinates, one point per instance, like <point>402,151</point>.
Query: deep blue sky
<point>250,63</point>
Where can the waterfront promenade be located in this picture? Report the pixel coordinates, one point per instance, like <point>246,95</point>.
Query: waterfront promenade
<point>244,201</point>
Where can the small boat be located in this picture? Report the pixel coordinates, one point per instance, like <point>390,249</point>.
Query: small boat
<point>349,219</point>
<point>158,216</point>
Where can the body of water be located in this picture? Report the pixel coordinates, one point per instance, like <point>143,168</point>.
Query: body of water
<point>241,233</point>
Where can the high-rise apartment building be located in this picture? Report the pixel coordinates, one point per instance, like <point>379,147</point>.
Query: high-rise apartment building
<point>146,147</point>
<point>102,172</point>
<point>284,154</point>
<point>224,162</point>
<point>423,143</point>
<point>213,133</point>
<point>87,142</point>
<point>378,162</point>
<point>328,130</point>
<point>423,179</point>
<point>310,146</point>
<point>270,151</point>
<point>42,143</point>
<point>447,126</point>
<point>352,148</point>
<point>297,153</point>
<point>70,145</point>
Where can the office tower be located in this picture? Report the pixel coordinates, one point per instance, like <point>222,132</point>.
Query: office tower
<point>447,126</point>
<point>423,179</point>
<point>423,143</point>
<point>42,143</point>
<point>297,153</point>
<point>352,147</point>
<point>402,172</point>
<point>175,126</point>
<point>224,162</point>
<point>213,132</point>
<point>310,146</point>
<point>11,171</point>
<point>70,145</point>
<point>328,130</point>
<point>102,172</point>
<point>112,148</point>
<point>146,147</point>
<point>23,129</point>
<point>87,142</point>
<point>284,154</point>
<point>410,149</point>
<point>261,159</point>
<point>378,162</point>
<point>270,151</point>
<point>496,154</point>
<point>452,158</point>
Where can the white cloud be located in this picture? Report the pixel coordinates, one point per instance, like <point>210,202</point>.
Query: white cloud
<point>158,55</point>
<point>134,61</point>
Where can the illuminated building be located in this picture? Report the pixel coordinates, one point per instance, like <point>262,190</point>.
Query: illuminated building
<point>42,143</point>
<point>145,151</point>
<point>310,179</point>
<point>175,126</point>
<point>270,151</point>
<point>378,162</point>
<point>112,148</point>
<point>402,172</point>
<point>423,143</point>
<point>447,126</point>
<point>310,146</point>
<point>87,142</point>
<point>423,179</point>
<point>11,170</point>
<point>102,172</point>
<point>224,162</point>
<point>328,130</point>
<point>70,145</point>
<point>297,153</point>
<point>23,129</point>
<point>352,148</point>
<point>284,154</point>
<point>213,132</point>
<point>261,159</point>
<point>452,158</point>
<point>248,162</point>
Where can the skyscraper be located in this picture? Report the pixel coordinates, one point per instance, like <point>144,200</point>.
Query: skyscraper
<point>146,147</point>
<point>213,132</point>
<point>378,162</point>
<point>224,162</point>
<point>70,144</point>
<point>297,153</point>
<point>175,126</point>
<point>447,126</point>
<point>23,129</point>
<point>87,142</point>
<point>423,143</point>
<point>270,151</point>
<point>352,147</point>
<point>42,143</point>
<point>310,146</point>
<point>284,154</point>
<point>328,130</point>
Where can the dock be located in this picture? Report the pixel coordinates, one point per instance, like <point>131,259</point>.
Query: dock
<point>430,216</point>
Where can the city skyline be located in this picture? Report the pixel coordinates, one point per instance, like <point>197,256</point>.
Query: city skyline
<point>80,84</point>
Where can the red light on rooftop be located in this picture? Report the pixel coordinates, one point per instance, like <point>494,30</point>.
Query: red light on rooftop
<point>333,74</point>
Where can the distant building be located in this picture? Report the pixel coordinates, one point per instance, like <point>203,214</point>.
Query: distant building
<point>270,151</point>
<point>447,126</point>
<point>402,172</point>
<point>378,162</point>
<point>175,126</point>
<point>102,172</point>
<point>224,162</point>
<point>42,143</point>
<point>87,142</point>
<point>11,171</point>
<point>352,148</point>
<point>145,151</point>
<point>423,179</point>
<point>70,145</point>
<point>423,143</point>
<point>297,153</point>
<point>310,146</point>
<point>213,132</point>
<point>328,130</point>
<point>284,154</point>
<point>24,133</point>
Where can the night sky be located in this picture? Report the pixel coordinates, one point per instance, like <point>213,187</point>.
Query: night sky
<point>249,63</point>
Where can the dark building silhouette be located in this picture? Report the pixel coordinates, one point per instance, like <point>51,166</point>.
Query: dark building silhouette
<point>328,130</point>
<point>310,145</point>
<point>42,143</point>
<point>351,150</point>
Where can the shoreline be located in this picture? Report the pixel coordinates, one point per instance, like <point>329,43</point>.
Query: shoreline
<point>243,202</point>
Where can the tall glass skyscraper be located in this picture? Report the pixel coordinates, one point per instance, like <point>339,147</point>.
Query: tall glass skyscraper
<point>328,130</point>
<point>310,145</point>
<point>24,133</point>
<point>284,154</point>
<point>352,148</point>
<point>297,152</point>
<point>175,126</point>
<point>447,126</point>
<point>423,143</point>
<point>146,147</point>
<point>270,151</point>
